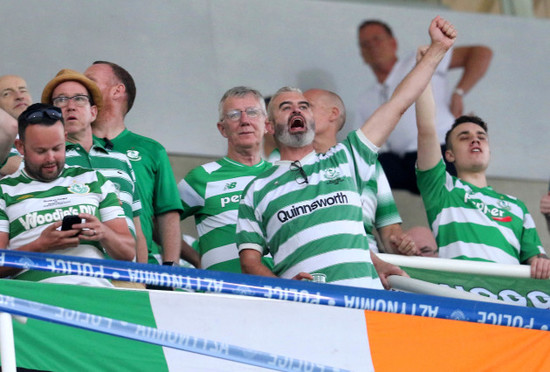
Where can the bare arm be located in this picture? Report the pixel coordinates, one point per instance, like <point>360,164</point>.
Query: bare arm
<point>545,208</point>
<point>190,255</point>
<point>379,126</point>
<point>12,164</point>
<point>170,236</point>
<point>385,269</point>
<point>142,253</point>
<point>475,61</point>
<point>8,131</point>
<point>429,149</point>
<point>251,263</point>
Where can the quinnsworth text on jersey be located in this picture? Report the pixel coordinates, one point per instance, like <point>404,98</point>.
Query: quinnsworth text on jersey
<point>308,207</point>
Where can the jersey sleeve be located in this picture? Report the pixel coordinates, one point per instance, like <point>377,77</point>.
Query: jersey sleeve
<point>530,240</point>
<point>109,205</point>
<point>4,221</point>
<point>431,183</point>
<point>250,234</point>
<point>386,210</point>
<point>192,192</point>
<point>166,190</point>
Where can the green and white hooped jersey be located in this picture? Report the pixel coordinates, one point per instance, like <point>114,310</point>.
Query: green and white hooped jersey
<point>115,167</point>
<point>313,226</point>
<point>379,207</point>
<point>211,193</point>
<point>158,191</point>
<point>28,206</point>
<point>473,223</point>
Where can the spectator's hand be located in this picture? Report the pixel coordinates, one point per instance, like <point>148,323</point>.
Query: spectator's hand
<point>92,229</point>
<point>545,204</point>
<point>442,32</point>
<point>302,276</point>
<point>540,268</point>
<point>386,269</point>
<point>404,244</point>
<point>51,238</point>
<point>457,105</point>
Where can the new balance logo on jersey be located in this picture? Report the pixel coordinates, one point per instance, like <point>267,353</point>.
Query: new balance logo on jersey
<point>494,211</point>
<point>292,212</point>
<point>34,219</point>
<point>230,186</point>
<point>233,199</point>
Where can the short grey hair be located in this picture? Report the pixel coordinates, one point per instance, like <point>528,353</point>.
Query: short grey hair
<point>241,91</point>
<point>286,89</point>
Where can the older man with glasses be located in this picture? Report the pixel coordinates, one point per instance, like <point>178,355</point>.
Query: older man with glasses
<point>34,201</point>
<point>212,191</point>
<point>314,224</point>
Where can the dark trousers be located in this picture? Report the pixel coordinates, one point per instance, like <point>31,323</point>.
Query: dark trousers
<point>400,170</point>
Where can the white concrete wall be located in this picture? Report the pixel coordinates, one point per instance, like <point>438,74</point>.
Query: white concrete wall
<point>184,54</point>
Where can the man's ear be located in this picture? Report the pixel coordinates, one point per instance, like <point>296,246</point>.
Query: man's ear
<point>221,129</point>
<point>450,156</point>
<point>334,113</point>
<point>19,146</point>
<point>118,91</point>
<point>269,128</point>
<point>94,112</point>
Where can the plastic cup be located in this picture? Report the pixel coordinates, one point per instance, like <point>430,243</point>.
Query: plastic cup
<point>319,277</point>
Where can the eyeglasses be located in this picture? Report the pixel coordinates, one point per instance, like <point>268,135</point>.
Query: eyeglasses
<point>35,117</point>
<point>301,176</point>
<point>251,112</point>
<point>80,100</point>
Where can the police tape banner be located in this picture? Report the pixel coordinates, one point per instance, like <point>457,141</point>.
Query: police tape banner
<point>282,289</point>
<point>356,329</point>
<point>521,291</point>
<point>297,336</point>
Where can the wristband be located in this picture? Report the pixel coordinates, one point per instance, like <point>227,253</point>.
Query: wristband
<point>170,263</point>
<point>459,91</point>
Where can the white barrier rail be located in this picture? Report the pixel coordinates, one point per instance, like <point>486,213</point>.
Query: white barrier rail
<point>412,285</point>
<point>458,266</point>
<point>7,344</point>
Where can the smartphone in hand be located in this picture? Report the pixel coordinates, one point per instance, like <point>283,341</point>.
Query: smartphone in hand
<point>69,221</point>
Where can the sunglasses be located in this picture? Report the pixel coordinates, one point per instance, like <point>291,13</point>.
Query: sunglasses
<point>37,116</point>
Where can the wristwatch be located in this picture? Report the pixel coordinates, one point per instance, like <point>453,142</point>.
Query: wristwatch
<point>170,263</point>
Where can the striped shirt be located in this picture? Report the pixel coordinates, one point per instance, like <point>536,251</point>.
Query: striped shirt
<point>28,206</point>
<point>116,168</point>
<point>313,226</point>
<point>379,209</point>
<point>211,192</point>
<point>473,223</point>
